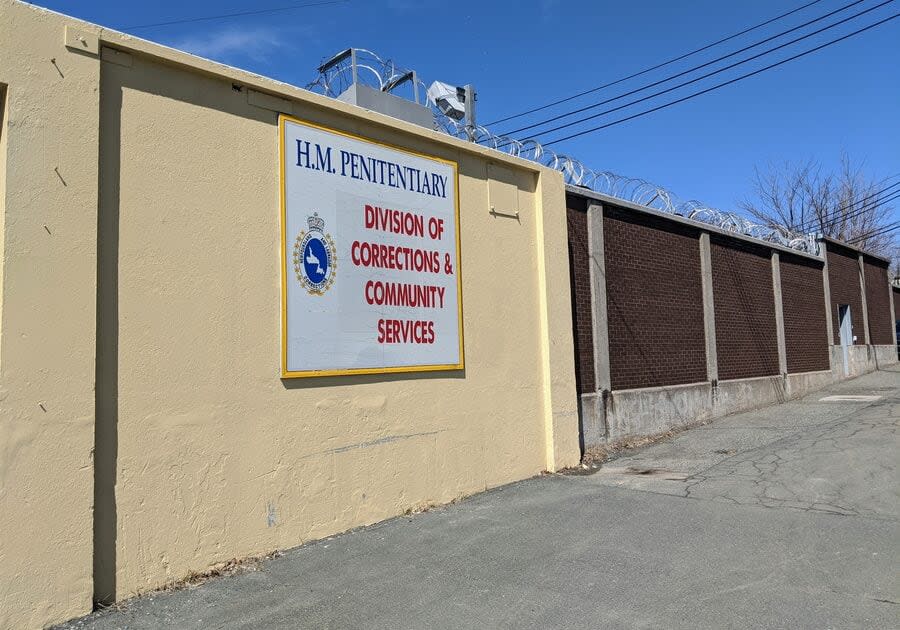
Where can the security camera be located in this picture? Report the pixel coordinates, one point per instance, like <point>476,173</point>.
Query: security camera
<point>450,100</point>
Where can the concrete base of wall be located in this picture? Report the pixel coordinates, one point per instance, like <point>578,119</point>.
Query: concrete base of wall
<point>634,412</point>
<point>885,355</point>
<point>862,359</point>
<point>643,412</point>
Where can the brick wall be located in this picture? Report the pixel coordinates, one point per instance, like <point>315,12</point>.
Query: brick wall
<point>579,271</point>
<point>654,301</point>
<point>896,304</point>
<point>878,301</point>
<point>803,305</point>
<point>843,282</point>
<point>746,336</point>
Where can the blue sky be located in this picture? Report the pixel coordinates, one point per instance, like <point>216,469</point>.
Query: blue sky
<point>523,54</point>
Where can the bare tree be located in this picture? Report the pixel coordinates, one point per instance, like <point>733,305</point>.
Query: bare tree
<point>846,205</point>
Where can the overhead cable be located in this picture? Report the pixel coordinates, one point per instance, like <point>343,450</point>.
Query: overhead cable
<point>724,83</point>
<point>657,66</point>
<point>224,16</point>
<point>718,71</point>
<point>707,64</point>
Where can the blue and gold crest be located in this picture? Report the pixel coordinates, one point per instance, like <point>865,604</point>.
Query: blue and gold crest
<point>314,257</point>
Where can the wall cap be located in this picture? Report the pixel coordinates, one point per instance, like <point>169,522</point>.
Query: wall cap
<point>674,218</point>
<point>833,241</point>
<point>275,88</point>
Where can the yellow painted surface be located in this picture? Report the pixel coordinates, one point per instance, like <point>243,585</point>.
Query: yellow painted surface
<point>47,330</point>
<point>218,457</point>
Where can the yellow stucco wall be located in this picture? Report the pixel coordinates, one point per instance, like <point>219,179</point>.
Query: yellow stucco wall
<point>213,456</point>
<point>47,329</point>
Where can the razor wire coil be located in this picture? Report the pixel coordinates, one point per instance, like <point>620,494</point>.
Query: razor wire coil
<point>378,73</point>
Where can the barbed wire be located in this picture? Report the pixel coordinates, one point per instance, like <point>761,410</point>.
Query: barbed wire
<point>377,73</point>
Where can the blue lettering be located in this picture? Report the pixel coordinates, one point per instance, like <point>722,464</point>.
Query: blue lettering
<point>302,153</point>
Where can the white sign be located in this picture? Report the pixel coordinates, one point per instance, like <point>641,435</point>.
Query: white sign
<point>370,256</point>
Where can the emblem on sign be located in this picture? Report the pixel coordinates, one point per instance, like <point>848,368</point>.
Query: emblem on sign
<point>314,257</point>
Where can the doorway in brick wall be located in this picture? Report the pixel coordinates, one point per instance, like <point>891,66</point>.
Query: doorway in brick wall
<point>846,327</point>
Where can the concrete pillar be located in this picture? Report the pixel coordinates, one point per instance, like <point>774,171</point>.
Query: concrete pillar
<point>893,312</point>
<point>560,397</point>
<point>865,308</point>
<point>709,313</point>
<point>599,321</point>
<point>829,323</point>
<point>779,313</point>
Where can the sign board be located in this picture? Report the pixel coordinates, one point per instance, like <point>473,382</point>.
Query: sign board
<point>370,256</point>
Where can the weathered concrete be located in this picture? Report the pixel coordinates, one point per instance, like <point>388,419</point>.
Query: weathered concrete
<point>893,310</point>
<point>636,412</point>
<point>826,284</point>
<point>805,382</point>
<point>593,418</point>
<point>862,359</point>
<point>709,311</point>
<point>865,306</point>
<point>884,355</point>
<point>652,410</point>
<point>749,393</point>
<point>599,320</point>
<point>785,517</point>
<point>779,313</point>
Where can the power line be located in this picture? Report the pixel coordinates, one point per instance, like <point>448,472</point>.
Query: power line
<point>886,201</point>
<point>656,67</point>
<point>837,216</point>
<point>700,78</point>
<point>830,218</point>
<point>707,64</point>
<point>724,83</point>
<point>231,15</point>
<point>879,231</point>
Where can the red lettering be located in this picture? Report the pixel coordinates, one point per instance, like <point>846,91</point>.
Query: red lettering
<point>405,331</point>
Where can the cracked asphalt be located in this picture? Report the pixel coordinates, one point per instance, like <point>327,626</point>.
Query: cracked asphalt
<point>785,517</point>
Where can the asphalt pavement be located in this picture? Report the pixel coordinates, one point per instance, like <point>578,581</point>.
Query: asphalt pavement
<point>786,517</point>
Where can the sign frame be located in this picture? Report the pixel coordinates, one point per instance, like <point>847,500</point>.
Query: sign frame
<point>283,119</point>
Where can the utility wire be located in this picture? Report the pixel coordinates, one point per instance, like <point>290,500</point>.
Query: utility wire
<point>224,16</point>
<point>874,205</point>
<point>831,217</point>
<point>724,83</point>
<point>886,201</point>
<point>656,67</point>
<point>704,65</point>
<point>865,207</point>
<point>707,75</point>
<point>885,229</point>
<point>827,222</point>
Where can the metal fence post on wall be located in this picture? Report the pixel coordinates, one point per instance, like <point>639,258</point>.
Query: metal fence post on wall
<point>599,320</point>
<point>779,314</point>
<point>709,313</point>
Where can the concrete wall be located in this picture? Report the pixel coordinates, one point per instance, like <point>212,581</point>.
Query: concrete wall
<point>744,306</point>
<point>878,301</point>
<point>654,301</point>
<point>805,314</point>
<point>673,290</point>
<point>171,308</point>
<point>47,318</point>
<point>845,285</point>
